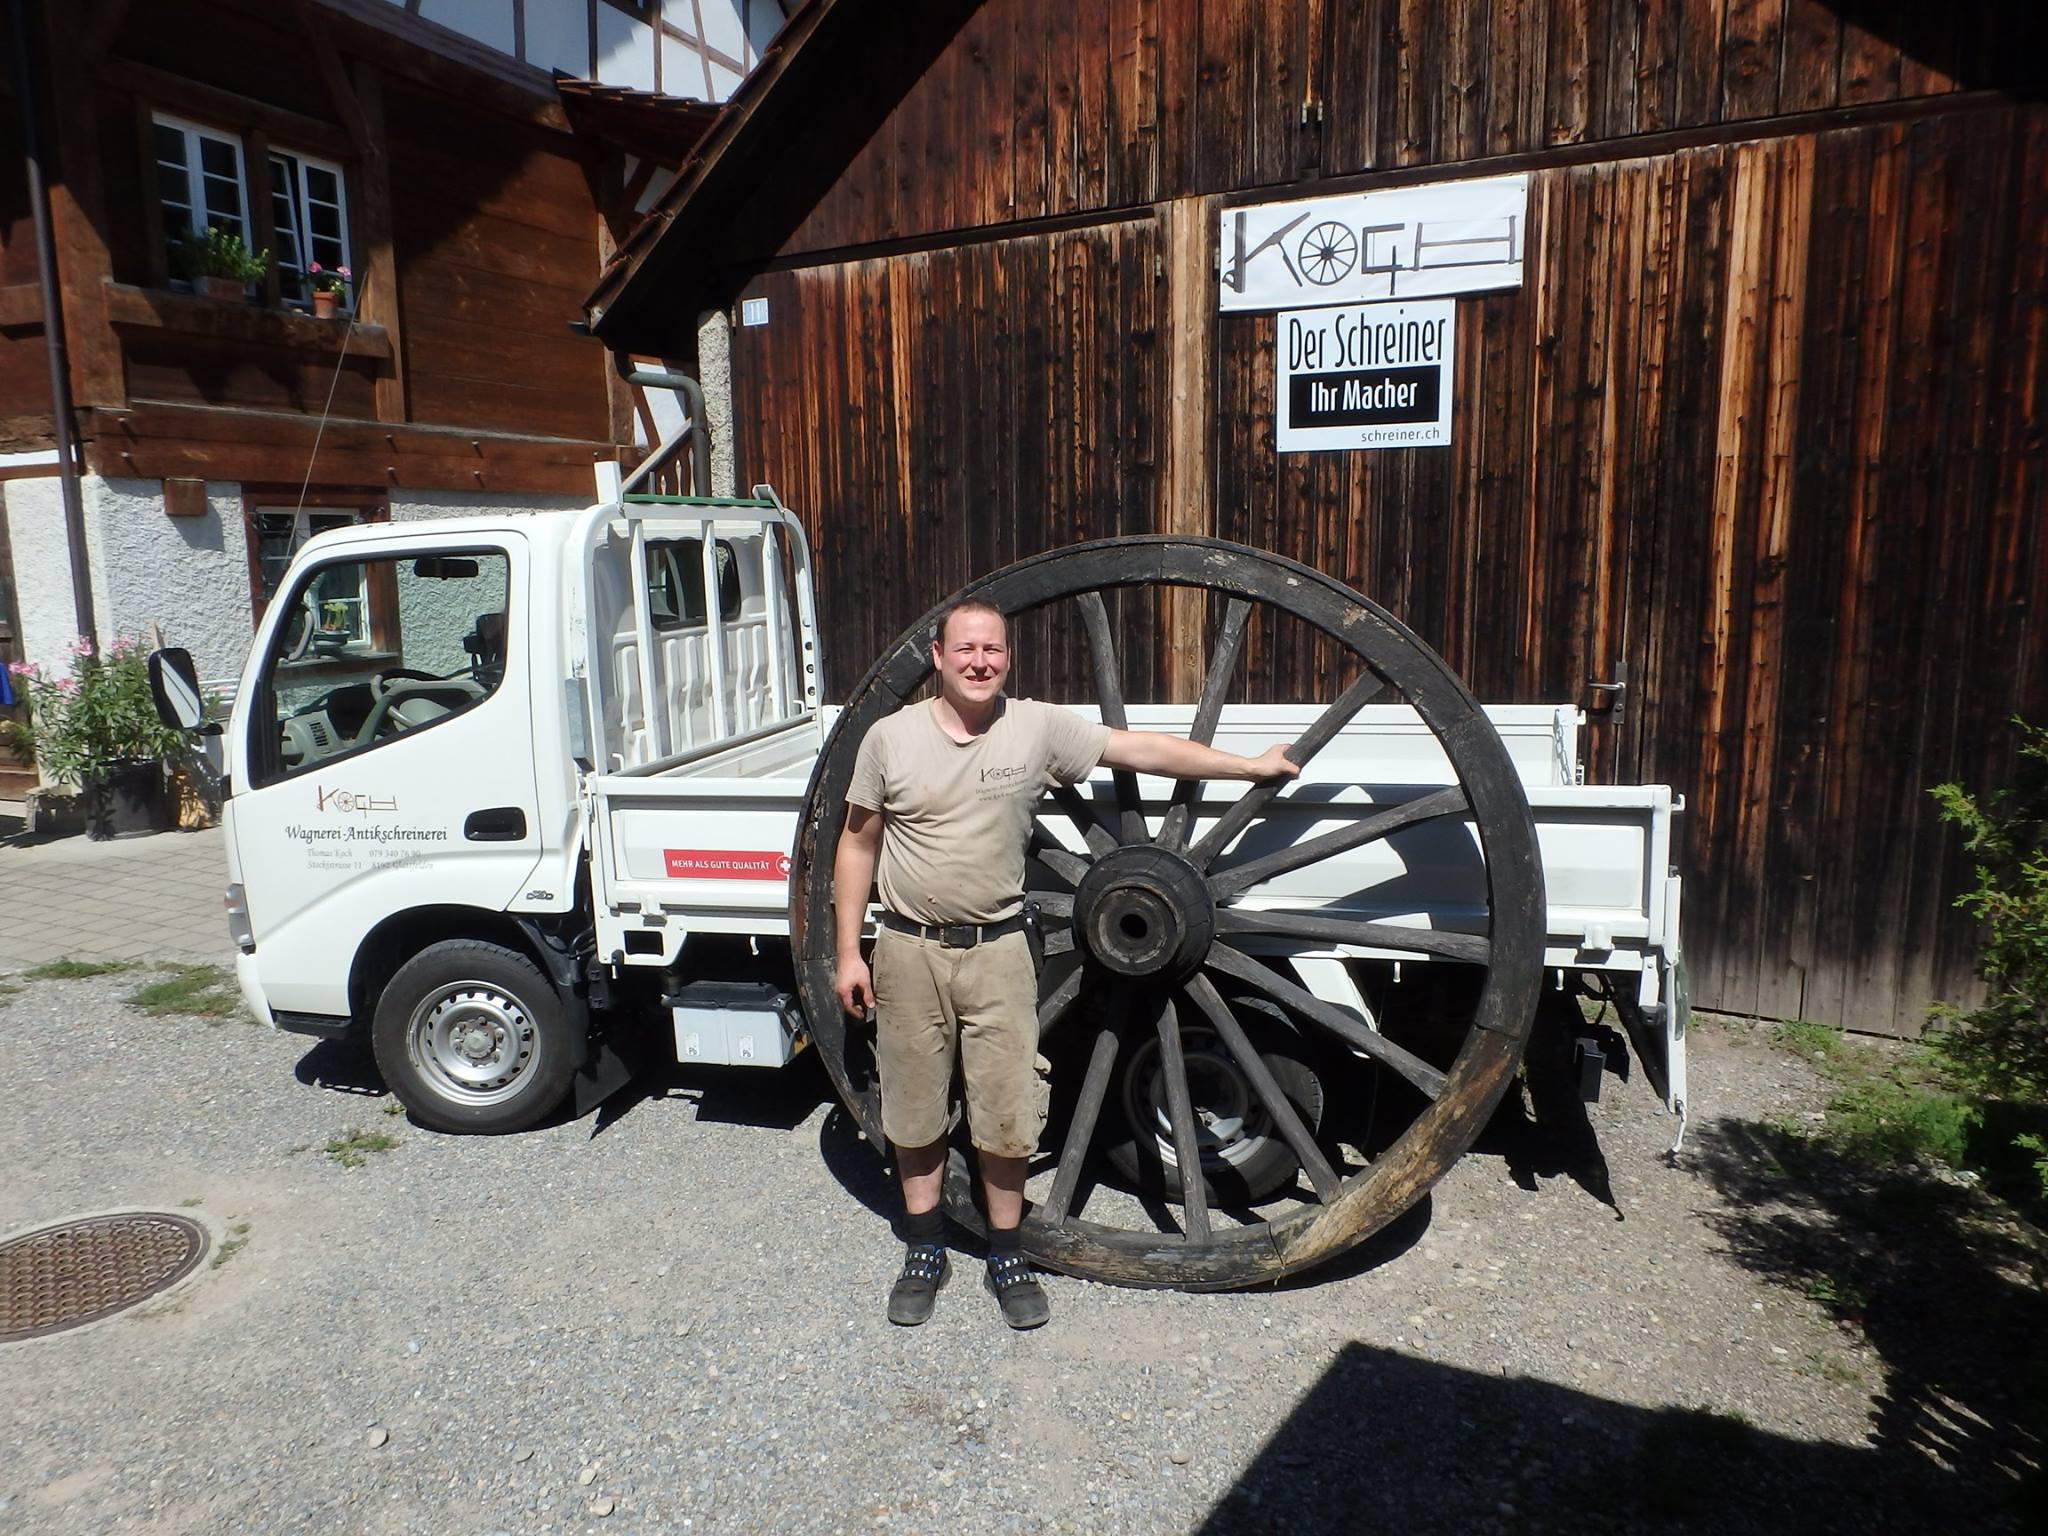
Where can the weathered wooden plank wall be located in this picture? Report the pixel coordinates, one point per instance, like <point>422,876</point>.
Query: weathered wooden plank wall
<point>937,415</point>
<point>1046,110</point>
<point>1764,427</point>
<point>488,281</point>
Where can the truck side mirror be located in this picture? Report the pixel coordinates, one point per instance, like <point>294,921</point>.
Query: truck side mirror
<point>174,686</point>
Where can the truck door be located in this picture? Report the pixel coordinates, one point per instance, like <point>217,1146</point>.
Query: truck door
<point>383,756</point>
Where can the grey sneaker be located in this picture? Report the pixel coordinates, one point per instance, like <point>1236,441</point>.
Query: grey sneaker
<point>1020,1295</point>
<point>916,1291</point>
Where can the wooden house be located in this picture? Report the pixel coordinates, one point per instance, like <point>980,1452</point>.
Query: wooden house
<point>1756,433</point>
<point>469,161</point>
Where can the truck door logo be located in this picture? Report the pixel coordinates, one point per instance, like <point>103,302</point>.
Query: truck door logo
<point>350,800</point>
<point>724,864</point>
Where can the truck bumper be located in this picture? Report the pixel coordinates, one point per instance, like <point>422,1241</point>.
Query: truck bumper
<point>252,989</point>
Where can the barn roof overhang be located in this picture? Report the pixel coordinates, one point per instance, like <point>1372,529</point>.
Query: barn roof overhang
<point>646,123</point>
<point>821,89</point>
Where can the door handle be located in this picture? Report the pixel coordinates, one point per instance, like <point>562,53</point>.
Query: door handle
<point>499,824</point>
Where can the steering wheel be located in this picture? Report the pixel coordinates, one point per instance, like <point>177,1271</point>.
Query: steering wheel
<point>381,684</point>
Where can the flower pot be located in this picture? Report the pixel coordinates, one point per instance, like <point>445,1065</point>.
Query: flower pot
<point>127,800</point>
<point>231,289</point>
<point>324,304</point>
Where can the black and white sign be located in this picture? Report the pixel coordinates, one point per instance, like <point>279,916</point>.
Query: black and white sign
<point>1408,243</point>
<point>1365,376</point>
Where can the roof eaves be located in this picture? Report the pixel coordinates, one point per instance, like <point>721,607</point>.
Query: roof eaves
<point>739,131</point>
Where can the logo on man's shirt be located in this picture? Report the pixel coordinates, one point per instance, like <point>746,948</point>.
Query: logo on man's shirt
<point>1003,775</point>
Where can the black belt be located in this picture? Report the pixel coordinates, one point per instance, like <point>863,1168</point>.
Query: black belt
<point>952,935</point>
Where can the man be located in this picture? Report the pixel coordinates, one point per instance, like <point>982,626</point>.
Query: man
<point>942,800</point>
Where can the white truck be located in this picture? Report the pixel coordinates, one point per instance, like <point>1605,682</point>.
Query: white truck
<point>504,793</point>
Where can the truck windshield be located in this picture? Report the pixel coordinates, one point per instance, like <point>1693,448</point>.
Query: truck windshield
<point>374,648</point>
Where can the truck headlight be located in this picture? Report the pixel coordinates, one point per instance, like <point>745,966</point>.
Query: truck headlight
<point>239,930</point>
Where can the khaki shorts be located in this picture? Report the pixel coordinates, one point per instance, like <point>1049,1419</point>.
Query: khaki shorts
<point>983,1002</point>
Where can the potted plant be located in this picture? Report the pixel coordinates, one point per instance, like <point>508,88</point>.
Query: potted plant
<point>97,727</point>
<point>220,264</point>
<point>330,286</point>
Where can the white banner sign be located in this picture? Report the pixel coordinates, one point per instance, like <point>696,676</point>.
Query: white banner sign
<point>1408,243</point>
<point>1365,376</point>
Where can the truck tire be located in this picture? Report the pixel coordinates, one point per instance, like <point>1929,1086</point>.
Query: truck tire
<point>1244,1159</point>
<point>472,1039</point>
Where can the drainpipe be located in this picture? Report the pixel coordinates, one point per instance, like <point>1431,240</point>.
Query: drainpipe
<point>693,402</point>
<point>53,328</point>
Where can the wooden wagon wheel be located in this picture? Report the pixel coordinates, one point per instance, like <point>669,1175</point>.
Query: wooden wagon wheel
<point>1153,907</point>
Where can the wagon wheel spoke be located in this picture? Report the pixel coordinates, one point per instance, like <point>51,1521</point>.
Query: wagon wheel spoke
<point>1062,862</point>
<point>1242,967</point>
<point>1060,1001</point>
<point>1348,930</point>
<point>1180,1111</point>
<point>1230,881</point>
<point>1248,807</point>
<point>1082,813</point>
<point>1173,831</point>
<point>1109,689</point>
<point>1321,1176</point>
<point>1081,1129</point>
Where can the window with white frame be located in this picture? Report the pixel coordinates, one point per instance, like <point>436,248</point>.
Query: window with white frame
<point>309,212</point>
<point>278,534</point>
<point>203,182</point>
<point>199,182</point>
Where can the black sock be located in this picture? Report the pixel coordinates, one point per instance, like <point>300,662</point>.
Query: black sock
<point>1002,1241</point>
<point>927,1228</point>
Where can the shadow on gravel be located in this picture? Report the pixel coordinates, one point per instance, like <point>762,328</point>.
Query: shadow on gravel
<point>1943,1285</point>
<point>1386,1442</point>
<point>852,1161</point>
<point>773,1098</point>
<point>340,1066</point>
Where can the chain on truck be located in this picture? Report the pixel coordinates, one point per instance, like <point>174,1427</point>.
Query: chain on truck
<point>511,797</point>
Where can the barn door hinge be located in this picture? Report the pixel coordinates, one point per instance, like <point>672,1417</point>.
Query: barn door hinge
<point>1618,688</point>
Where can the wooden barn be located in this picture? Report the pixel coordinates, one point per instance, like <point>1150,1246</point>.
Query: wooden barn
<point>1745,456</point>
<point>469,161</point>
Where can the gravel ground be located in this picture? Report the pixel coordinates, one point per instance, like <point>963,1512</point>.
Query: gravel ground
<point>669,1318</point>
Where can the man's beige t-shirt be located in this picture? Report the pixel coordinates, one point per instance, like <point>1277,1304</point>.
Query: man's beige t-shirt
<point>956,815</point>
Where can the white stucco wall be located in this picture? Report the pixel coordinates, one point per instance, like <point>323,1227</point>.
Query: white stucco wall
<point>407,506</point>
<point>714,375</point>
<point>188,575</point>
<point>42,569</point>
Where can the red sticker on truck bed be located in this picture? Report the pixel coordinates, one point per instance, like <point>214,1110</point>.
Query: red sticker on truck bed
<point>724,864</point>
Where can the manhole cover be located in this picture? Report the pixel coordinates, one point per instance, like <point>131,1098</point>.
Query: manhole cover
<point>80,1271</point>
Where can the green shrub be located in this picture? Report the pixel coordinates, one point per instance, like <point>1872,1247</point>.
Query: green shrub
<point>1885,1121</point>
<point>2000,1047</point>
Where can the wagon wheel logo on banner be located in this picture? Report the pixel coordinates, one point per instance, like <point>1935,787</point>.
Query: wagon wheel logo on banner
<point>1327,252</point>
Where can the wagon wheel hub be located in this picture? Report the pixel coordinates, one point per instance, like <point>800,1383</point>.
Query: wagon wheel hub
<point>1146,912</point>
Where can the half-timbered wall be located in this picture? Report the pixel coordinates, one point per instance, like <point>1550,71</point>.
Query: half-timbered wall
<point>1762,433</point>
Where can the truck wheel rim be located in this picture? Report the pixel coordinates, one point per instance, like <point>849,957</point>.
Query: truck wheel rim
<point>1370,655</point>
<point>472,1044</point>
<point>1230,1123</point>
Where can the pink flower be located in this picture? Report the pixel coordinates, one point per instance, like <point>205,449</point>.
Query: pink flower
<point>313,267</point>
<point>24,669</point>
<point>344,271</point>
<point>82,646</point>
<point>67,685</point>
